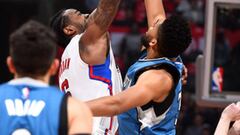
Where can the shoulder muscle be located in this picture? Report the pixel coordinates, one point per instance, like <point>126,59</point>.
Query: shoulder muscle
<point>158,82</point>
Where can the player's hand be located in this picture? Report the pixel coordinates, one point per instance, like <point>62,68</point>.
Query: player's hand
<point>236,127</point>
<point>231,112</point>
<point>184,75</point>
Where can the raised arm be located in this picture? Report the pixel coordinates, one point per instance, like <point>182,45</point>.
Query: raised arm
<point>99,21</point>
<point>155,11</point>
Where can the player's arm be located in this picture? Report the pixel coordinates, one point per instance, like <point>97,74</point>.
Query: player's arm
<point>155,11</point>
<point>99,21</point>
<point>151,85</point>
<point>230,113</point>
<point>235,129</point>
<point>79,117</point>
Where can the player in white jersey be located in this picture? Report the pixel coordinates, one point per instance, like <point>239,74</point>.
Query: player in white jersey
<point>88,69</point>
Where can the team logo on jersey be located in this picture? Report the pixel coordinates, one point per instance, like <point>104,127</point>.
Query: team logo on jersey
<point>18,107</point>
<point>25,93</point>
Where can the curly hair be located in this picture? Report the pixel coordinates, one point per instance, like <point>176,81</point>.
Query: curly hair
<point>174,36</point>
<point>33,48</point>
<point>57,23</point>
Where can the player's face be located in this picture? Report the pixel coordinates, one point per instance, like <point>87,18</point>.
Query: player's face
<point>152,33</point>
<point>77,19</point>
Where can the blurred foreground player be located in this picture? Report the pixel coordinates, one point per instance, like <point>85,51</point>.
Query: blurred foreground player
<point>151,101</point>
<point>28,105</point>
<point>88,70</point>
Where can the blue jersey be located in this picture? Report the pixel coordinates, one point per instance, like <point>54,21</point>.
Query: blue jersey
<point>29,109</point>
<point>153,118</point>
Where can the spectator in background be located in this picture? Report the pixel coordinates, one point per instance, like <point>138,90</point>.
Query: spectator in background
<point>184,8</point>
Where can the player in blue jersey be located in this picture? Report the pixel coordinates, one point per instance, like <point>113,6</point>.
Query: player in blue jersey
<point>28,105</point>
<point>151,100</point>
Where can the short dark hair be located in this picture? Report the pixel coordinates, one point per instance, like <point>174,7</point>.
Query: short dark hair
<point>57,23</point>
<point>174,36</point>
<point>33,48</point>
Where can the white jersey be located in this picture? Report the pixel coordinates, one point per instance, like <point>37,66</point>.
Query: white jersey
<point>87,82</point>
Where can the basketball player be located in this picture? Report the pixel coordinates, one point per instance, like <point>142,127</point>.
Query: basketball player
<point>229,114</point>
<point>28,105</point>
<point>88,70</point>
<point>151,100</point>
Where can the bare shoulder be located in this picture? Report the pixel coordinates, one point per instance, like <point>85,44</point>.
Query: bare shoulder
<point>78,107</point>
<point>156,76</point>
<point>79,117</point>
<point>157,82</point>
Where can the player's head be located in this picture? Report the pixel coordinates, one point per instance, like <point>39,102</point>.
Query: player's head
<point>67,23</point>
<point>170,38</point>
<point>32,51</point>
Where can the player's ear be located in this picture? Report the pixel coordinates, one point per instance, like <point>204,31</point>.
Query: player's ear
<point>70,30</point>
<point>153,42</point>
<point>54,67</point>
<point>10,65</point>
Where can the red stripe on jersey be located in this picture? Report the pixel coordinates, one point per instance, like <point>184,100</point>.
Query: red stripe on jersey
<point>105,80</point>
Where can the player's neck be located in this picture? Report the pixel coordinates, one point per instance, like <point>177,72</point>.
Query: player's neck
<point>151,54</point>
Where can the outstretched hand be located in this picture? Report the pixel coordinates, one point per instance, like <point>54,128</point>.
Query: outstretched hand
<point>235,130</point>
<point>231,112</point>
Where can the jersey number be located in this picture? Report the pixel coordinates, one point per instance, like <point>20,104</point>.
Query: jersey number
<point>65,86</point>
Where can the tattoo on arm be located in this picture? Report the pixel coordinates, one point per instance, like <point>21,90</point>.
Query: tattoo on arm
<point>105,13</point>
